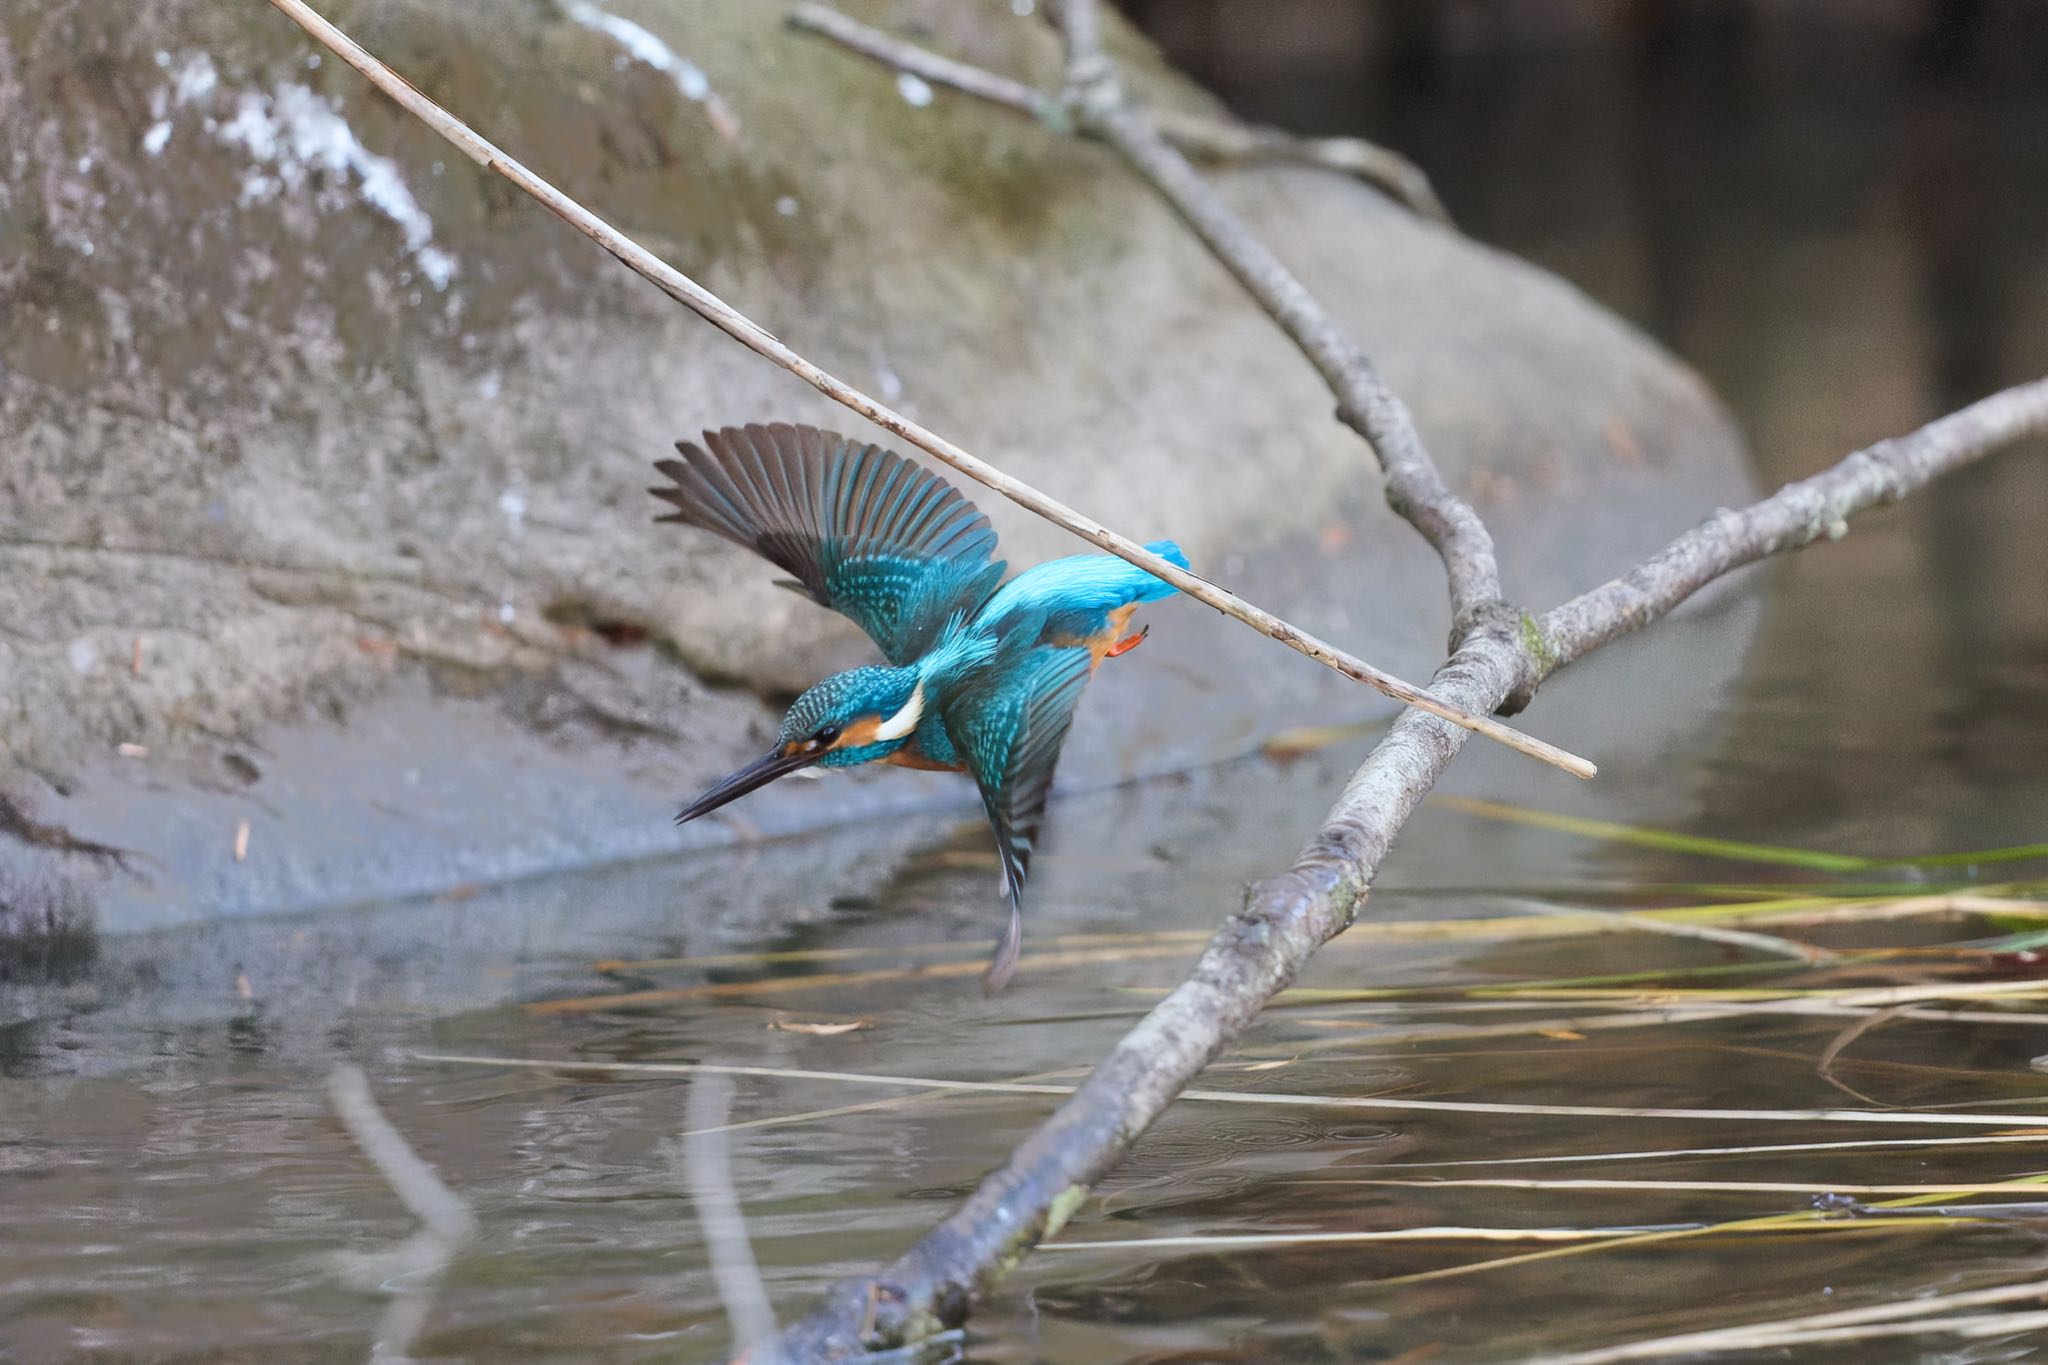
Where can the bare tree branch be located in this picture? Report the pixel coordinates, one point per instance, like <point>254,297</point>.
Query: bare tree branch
<point>1364,401</point>
<point>1091,76</point>
<point>757,339</point>
<point>1796,515</point>
<point>1259,950</point>
<point>1385,170</point>
<point>930,66</point>
<point>1095,106</point>
<point>1216,140</point>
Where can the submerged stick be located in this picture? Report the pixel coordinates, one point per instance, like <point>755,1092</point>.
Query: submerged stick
<point>758,339</point>
<point>706,1168</point>
<point>440,1210</point>
<point>417,1264</point>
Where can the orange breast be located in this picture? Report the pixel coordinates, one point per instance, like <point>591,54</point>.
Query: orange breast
<point>909,756</point>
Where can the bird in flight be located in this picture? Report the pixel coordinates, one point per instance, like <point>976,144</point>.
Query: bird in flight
<point>982,676</point>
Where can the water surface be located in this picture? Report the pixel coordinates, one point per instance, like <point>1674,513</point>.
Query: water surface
<point>174,1187</point>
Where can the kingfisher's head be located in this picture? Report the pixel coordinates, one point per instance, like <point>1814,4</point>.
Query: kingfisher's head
<point>853,717</point>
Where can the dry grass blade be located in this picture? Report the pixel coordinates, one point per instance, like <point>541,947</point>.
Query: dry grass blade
<point>1699,1186</point>
<point>1911,1314</point>
<point>1988,901</point>
<point>811,1115</point>
<point>1824,1067</point>
<point>1547,1026</point>
<point>1968,1326</point>
<point>1362,1102</point>
<point>870,1106</point>
<point>1552,922</point>
<point>1808,1220</point>
<point>1609,831</point>
<point>1679,997</point>
<point>1362,1030</point>
<point>1579,921</point>
<point>825,981</point>
<point>1100,948</point>
<point>1249,1240</point>
<point>817,1028</point>
<point>1670,841</point>
<point>1563,1240</point>
<point>1854,997</point>
<point>2032,1138</point>
<point>1889,997</point>
<point>1652,985</point>
<point>1738,938</point>
<point>2028,1018</point>
<point>977,951</point>
<point>1366,1033</point>
<point>1299,741</point>
<point>1801,1223</point>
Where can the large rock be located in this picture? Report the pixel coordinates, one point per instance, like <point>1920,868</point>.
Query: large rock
<point>322,451</point>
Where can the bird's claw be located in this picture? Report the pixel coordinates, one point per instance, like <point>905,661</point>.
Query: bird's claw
<point>1127,644</point>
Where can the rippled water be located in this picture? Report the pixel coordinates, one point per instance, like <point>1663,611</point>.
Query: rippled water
<point>176,1189</point>
<point>173,1186</point>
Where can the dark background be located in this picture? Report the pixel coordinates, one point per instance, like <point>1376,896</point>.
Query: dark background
<point>1837,210</point>
<point>1834,208</point>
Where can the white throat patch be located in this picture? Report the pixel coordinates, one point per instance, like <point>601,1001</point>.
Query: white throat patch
<point>904,721</point>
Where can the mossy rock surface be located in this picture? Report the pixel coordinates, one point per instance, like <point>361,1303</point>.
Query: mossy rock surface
<point>312,429</point>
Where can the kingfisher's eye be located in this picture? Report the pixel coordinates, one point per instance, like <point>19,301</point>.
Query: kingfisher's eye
<point>826,735</point>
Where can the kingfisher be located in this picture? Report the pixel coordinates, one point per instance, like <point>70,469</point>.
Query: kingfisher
<point>982,676</point>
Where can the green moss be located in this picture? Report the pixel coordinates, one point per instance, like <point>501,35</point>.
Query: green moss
<point>1537,644</point>
<point>1064,1206</point>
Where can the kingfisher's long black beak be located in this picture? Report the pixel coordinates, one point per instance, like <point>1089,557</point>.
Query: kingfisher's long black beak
<point>759,773</point>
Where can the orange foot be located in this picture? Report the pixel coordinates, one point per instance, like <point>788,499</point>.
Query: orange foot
<point>1127,644</point>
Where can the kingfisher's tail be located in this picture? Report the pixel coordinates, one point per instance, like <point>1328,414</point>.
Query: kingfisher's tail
<point>1156,588</point>
<point>1171,552</point>
<point>1076,594</point>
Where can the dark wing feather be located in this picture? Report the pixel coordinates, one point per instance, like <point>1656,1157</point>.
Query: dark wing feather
<point>1010,730</point>
<point>865,532</point>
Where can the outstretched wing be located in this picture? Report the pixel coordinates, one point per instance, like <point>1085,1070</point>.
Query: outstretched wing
<point>1010,730</point>
<point>866,532</point>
